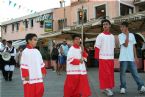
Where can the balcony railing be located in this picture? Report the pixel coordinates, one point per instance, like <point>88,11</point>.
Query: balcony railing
<point>78,2</point>
<point>138,1</point>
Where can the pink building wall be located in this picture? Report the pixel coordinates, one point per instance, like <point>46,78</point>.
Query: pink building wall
<point>59,14</point>
<point>20,34</point>
<point>112,10</point>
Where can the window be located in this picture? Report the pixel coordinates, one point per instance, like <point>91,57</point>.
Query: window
<point>100,11</point>
<point>13,26</point>
<point>17,26</point>
<point>65,22</point>
<point>31,22</point>
<point>5,29</point>
<point>125,9</point>
<point>60,24</point>
<point>141,8</point>
<point>82,0</point>
<point>81,17</point>
<point>26,24</point>
<point>41,24</point>
<point>85,16</point>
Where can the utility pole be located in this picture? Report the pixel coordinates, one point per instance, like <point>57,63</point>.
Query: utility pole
<point>82,26</point>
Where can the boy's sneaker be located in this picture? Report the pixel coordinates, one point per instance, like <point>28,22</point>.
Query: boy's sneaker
<point>108,92</point>
<point>122,91</point>
<point>142,90</point>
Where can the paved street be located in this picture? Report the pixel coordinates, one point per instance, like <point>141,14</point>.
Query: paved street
<point>54,85</point>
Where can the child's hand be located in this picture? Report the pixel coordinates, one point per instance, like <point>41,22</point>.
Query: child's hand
<point>44,75</point>
<point>27,78</point>
<point>81,61</point>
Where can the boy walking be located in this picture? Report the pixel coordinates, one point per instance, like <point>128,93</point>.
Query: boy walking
<point>32,68</point>
<point>104,51</point>
<point>127,58</point>
<point>76,83</point>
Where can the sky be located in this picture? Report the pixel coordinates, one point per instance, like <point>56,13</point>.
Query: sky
<point>25,7</point>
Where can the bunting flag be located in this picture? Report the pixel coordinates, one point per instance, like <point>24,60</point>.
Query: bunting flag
<point>19,6</point>
<point>15,5</point>
<point>10,2</point>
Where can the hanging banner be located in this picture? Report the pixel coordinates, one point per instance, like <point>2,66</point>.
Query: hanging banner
<point>48,26</point>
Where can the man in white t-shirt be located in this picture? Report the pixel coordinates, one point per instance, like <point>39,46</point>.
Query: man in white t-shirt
<point>127,58</point>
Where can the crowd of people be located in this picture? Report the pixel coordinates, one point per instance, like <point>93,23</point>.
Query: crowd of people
<point>59,56</point>
<point>73,59</point>
<point>7,59</point>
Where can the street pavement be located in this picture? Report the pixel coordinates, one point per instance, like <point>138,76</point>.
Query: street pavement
<point>54,85</point>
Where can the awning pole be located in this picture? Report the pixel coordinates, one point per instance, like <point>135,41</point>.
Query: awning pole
<point>82,28</point>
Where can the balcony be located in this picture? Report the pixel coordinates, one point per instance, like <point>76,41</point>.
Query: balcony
<point>139,2</point>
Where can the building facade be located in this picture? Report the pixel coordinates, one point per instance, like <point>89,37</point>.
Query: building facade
<point>17,28</point>
<point>58,23</point>
<point>59,18</point>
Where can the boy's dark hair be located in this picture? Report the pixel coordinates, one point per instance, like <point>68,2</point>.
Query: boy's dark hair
<point>124,24</point>
<point>10,42</point>
<point>105,20</point>
<point>75,35</point>
<point>30,36</point>
<point>3,40</point>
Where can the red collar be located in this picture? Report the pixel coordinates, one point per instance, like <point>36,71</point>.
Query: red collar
<point>107,33</point>
<point>29,46</point>
<point>76,46</point>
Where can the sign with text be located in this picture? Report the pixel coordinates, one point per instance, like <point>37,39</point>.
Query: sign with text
<point>48,26</point>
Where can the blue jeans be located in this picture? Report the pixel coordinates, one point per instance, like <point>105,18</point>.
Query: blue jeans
<point>62,60</point>
<point>133,69</point>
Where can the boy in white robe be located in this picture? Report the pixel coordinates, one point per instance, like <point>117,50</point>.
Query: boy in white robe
<point>76,83</point>
<point>104,52</point>
<point>32,68</point>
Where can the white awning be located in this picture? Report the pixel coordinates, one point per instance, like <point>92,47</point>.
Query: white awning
<point>49,35</point>
<point>18,43</point>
